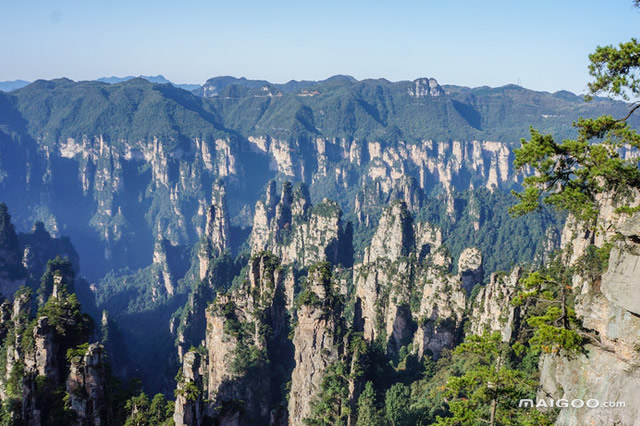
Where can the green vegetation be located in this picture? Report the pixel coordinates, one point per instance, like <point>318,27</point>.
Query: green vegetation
<point>491,386</point>
<point>503,240</point>
<point>551,313</point>
<point>579,175</point>
<point>482,380</point>
<point>331,406</point>
<point>478,382</point>
<point>396,404</point>
<point>58,270</point>
<point>77,353</point>
<point>141,412</point>
<point>65,316</point>
<point>368,412</point>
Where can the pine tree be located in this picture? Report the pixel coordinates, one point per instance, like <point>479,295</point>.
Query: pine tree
<point>490,388</point>
<point>577,175</point>
<point>396,402</point>
<point>368,412</point>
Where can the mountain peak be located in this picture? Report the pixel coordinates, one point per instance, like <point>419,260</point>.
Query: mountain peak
<point>425,87</point>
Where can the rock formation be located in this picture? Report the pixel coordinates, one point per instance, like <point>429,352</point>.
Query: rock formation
<point>189,401</point>
<point>316,340</point>
<point>217,229</point>
<point>470,268</point>
<point>86,386</point>
<point>492,309</point>
<point>245,329</point>
<point>294,230</point>
<point>608,370</point>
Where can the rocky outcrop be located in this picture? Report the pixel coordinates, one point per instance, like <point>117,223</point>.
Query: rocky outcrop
<point>394,235</point>
<point>42,356</point>
<point>161,263</point>
<point>294,230</point>
<point>411,171</point>
<point>443,299</point>
<point>246,329</point>
<point>406,262</point>
<point>576,237</point>
<point>189,406</point>
<point>216,238</point>
<point>205,273</point>
<point>425,87</point>
<point>492,309</point>
<point>383,279</point>
<point>15,317</point>
<point>315,351</point>
<point>86,386</point>
<point>427,238</point>
<point>102,173</point>
<point>46,350</point>
<point>608,370</point>
<point>238,344</point>
<point>595,376</point>
<point>316,339</point>
<point>621,283</point>
<point>470,268</point>
<point>441,310</point>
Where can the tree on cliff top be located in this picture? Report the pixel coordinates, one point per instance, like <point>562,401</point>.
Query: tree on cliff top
<point>578,175</point>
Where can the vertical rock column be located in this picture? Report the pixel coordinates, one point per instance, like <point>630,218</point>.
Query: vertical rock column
<point>189,404</point>
<point>316,342</point>
<point>86,386</point>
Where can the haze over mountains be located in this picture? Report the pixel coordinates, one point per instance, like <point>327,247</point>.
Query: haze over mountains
<point>212,85</point>
<point>105,143</point>
<point>250,234</point>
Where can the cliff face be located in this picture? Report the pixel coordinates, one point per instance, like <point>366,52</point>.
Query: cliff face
<point>189,405</point>
<point>156,183</point>
<point>384,274</point>
<point>251,350</point>
<point>245,329</point>
<point>152,188</point>
<point>608,371</point>
<point>144,169</point>
<point>42,355</point>
<point>441,311</point>
<point>216,238</point>
<point>317,341</point>
<point>162,172</point>
<point>34,344</point>
<point>404,289</point>
<point>86,385</point>
<point>293,229</point>
<point>492,309</point>
<point>209,270</point>
<point>408,171</point>
<point>315,351</point>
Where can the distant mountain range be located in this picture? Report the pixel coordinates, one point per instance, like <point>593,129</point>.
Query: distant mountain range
<point>7,86</point>
<point>152,78</point>
<point>210,88</point>
<point>55,134</point>
<point>213,86</point>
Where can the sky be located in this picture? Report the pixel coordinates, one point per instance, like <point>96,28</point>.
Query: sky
<point>542,45</point>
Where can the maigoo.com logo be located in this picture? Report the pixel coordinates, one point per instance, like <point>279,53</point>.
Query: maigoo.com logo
<point>565,403</point>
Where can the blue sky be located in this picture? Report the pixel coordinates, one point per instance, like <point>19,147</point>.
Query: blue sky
<point>543,44</point>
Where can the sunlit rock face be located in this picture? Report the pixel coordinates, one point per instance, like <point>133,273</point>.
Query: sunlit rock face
<point>608,371</point>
